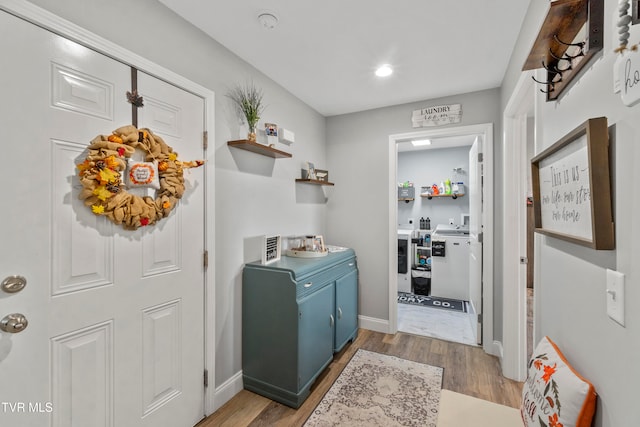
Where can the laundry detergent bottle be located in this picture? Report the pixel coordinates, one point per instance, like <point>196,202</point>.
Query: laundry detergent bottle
<point>447,186</point>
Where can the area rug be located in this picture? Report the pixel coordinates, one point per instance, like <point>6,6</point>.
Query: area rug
<point>380,390</point>
<point>429,301</point>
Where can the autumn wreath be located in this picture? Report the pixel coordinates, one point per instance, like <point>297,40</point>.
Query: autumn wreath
<point>109,157</point>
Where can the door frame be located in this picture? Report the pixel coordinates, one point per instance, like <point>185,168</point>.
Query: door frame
<point>514,273</point>
<point>57,25</point>
<point>486,130</point>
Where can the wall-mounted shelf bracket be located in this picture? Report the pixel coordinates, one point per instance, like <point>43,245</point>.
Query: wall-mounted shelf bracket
<point>572,33</point>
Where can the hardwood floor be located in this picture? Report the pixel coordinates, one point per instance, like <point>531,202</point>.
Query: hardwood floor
<point>467,370</point>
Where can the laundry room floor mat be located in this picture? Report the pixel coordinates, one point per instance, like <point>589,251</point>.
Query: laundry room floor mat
<point>429,301</point>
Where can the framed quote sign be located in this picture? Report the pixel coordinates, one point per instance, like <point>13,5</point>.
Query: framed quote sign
<point>572,189</point>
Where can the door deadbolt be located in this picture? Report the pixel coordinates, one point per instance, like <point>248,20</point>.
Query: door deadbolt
<point>13,284</point>
<point>14,323</point>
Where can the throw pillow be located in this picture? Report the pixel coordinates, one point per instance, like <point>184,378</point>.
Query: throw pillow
<point>555,395</point>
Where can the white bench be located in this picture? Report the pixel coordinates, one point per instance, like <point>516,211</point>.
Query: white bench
<point>460,410</point>
<point>553,394</point>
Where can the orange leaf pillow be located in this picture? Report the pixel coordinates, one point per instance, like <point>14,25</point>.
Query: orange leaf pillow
<point>555,395</point>
<point>143,174</point>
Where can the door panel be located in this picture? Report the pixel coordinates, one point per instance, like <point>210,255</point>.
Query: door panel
<point>115,335</point>
<point>83,374</point>
<point>161,354</point>
<point>316,332</point>
<point>63,362</point>
<point>90,264</point>
<point>346,308</point>
<point>171,267</point>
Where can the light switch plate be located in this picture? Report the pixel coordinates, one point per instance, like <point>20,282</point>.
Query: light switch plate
<point>615,296</point>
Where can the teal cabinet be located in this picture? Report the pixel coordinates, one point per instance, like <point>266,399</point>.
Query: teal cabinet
<point>346,309</point>
<point>315,329</point>
<point>296,313</point>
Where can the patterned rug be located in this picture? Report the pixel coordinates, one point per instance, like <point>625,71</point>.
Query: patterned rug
<point>429,301</point>
<point>379,390</point>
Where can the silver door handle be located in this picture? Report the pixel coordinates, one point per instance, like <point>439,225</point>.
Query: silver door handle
<point>331,320</point>
<point>13,323</point>
<point>351,264</point>
<point>339,313</point>
<point>308,285</point>
<point>13,284</point>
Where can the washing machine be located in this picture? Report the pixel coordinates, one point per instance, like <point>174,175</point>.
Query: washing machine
<point>450,251</point>
<point>405,256</point>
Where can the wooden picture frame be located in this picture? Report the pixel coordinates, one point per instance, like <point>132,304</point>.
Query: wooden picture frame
<point>572,187</point>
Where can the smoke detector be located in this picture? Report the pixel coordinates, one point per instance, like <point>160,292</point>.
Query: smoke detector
<point>268,20</point>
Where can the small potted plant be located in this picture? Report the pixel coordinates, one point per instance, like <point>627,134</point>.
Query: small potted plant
<point>248,101</point>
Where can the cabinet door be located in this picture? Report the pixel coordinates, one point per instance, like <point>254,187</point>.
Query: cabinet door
<point>346,308</point>
<point>316,326</point>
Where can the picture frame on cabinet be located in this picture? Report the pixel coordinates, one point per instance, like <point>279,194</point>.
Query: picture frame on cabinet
<point>308,171</point>
<point>271,129</point>
<point>322,175</point>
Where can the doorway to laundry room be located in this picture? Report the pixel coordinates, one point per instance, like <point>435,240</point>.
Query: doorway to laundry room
<point>438,222</point>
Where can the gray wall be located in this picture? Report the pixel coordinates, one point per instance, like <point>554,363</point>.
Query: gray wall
<point>255,195</point>
<point>424,168</point>
<point>358,156</point>
<point>570,288</point>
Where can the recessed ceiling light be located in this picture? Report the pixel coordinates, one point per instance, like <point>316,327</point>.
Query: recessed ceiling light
<point>384,70</point>
<point>420,142</point>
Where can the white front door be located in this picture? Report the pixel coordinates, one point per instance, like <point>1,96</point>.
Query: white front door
<point>115,334</point>
<point>475,238</point>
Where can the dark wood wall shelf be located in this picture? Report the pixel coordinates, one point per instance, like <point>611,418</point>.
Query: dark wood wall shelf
<point>557,48</point>
<point>430,196</point>
<point>314,181</point>
<point>255,147</point>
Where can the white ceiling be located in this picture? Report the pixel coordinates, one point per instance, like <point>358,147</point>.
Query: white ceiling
<point>438,143</point>
<point>325,52</point>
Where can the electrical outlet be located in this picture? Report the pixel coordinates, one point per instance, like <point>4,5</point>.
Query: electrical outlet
<point>410,220</point>
<point>451,221</point>
<point>615,296</point>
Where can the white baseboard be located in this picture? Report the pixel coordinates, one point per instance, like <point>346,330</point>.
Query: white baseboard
<point>497,350</point>
<point>373,324</point>
<point>227,390</point>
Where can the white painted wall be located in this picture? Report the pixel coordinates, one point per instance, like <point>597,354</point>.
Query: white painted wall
<point>426,167</point>
<point>570,279</point>
<point>358,156</point>
<point>255,195</point>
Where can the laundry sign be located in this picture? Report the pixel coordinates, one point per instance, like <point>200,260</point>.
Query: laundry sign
<point>437,115</point>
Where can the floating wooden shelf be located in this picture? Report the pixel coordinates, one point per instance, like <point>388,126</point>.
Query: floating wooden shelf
<point>453,196</point>
<point>255,147</point>
<point>314,181</point>
<point>566,21</point>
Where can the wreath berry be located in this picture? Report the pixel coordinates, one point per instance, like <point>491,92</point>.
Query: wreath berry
<point>101,177</point>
